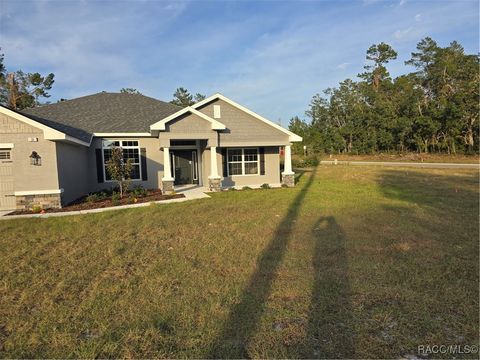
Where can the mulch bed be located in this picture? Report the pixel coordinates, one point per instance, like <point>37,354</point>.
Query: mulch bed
<point>82,204</point>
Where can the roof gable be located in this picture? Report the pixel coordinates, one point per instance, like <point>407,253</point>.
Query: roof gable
<point>49,132</point>
<point>160,125</point>
<point>292,136</point>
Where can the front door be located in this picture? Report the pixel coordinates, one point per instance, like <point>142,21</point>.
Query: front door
<point>185,167</point>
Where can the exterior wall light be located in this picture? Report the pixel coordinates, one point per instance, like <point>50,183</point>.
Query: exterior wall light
<point>35,159</point>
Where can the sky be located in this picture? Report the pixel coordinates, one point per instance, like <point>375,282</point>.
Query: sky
<point>270,56</point>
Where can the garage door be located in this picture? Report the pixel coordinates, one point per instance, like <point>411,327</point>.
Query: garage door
<point>7,200</point>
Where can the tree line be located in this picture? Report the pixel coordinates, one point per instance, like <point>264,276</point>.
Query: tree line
<point>435,108</point>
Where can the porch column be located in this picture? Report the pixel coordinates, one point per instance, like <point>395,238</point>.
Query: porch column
<point>214,181</point>
<point>167,180</point>
<point>288,176</point>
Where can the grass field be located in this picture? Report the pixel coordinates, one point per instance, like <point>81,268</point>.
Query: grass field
<point>407,157</point>
<point>353,262</point>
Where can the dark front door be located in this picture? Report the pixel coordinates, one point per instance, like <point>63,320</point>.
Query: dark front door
<point>185,166</point>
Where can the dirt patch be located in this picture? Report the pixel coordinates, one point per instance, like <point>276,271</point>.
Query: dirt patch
<point>83,204</point>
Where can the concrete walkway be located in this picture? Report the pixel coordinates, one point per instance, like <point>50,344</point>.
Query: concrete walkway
<point>191,192</point>
<point>403,164</point>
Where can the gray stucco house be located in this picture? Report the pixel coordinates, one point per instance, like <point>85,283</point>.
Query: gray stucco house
<point>54,154</point>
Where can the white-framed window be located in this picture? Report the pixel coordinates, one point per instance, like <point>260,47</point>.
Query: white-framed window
<point>243,161</point>
<point>5,154</point>
<point>130,150</point>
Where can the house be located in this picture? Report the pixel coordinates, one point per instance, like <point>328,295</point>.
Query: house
<point>54,154</point>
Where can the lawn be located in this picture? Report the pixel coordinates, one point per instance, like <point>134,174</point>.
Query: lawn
<point>354,262</point>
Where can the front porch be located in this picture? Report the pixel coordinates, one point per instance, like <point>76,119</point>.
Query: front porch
<point>216,168</point>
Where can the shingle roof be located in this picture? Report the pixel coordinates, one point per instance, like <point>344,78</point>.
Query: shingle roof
<point>102,113</point>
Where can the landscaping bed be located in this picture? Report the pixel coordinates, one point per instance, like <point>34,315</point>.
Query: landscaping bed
<point>104,200</point>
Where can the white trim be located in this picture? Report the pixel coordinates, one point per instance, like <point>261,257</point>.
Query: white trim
<point>126,134</point>
<point>292,137</point>
<point>243,162</point>
<point>160,125</point>
<point>6,146</point>
<point>48,132</point>
<point>38,192</point>
<point>76,141</point>
<point>122,147</point>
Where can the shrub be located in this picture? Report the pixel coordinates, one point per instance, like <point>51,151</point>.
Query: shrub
<point>92,198</point>
<point>284,186</point>
<point>232,189</point>
<point>246,188</point>
<point>305,161</point>
<point>265,186</point>
<point>115,197</point>
<point>138,191</point>
<point>37,209</point>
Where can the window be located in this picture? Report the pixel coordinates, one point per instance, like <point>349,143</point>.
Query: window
<point>4,154</point>
<point>130,150</point>
<point>243,161</point>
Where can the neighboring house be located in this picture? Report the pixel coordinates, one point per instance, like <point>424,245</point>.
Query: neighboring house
<point>54,154</point>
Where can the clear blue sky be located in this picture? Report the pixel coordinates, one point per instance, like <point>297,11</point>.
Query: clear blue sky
<point>271,56</point>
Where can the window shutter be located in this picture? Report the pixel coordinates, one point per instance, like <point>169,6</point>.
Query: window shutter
<point>262,160</point>
<point>143,159</point>
<point>225,162</point>
<point>99,157</point>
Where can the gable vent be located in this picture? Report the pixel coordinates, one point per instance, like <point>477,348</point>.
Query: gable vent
<point>216,112</point>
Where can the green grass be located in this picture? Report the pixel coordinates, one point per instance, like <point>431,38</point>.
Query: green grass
<point>353,262</point>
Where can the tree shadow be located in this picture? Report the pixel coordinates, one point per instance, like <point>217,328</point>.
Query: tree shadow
<point>299,174</point>
<point>330,322</point>
<point>244,317</point>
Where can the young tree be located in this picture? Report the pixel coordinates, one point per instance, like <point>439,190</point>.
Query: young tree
<point>119,170</point>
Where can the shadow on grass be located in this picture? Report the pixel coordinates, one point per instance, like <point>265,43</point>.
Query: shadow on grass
<point>330,327</point>
<point>430,189</point>
<point>243,319</point>
<point>299,174</point>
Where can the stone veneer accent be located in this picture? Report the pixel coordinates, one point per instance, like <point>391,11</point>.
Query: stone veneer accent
<point>215,184</point>
<point>44,201</point>
<point>167,186</point>
<point>288,179</point>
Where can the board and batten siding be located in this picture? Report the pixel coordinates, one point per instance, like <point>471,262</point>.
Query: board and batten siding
<point>243,128</point>
<point>29,177</point>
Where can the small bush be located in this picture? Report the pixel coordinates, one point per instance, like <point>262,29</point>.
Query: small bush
<point>246,188</point>
<point>284,186</point>
<point>92,198</point>
<point>138,191</point>
<point>98,196</point>
<point>232,189</point>
<point>265,186</point>
<point>37,209</point>
<point>115,197</point>
<point>305,161</point>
